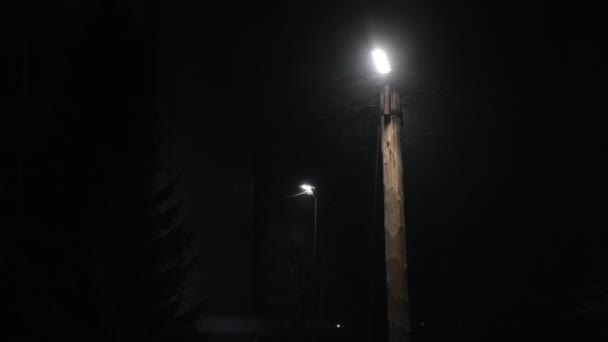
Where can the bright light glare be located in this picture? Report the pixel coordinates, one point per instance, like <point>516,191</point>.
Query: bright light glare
<point>338,325</point>
<point>381,61</point>
<point>309,189</point>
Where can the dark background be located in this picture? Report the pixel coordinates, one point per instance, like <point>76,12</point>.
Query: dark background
<point>503,151</point>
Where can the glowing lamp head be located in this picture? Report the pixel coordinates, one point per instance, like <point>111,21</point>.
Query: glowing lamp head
<point>308,189</point>
<point>381,61</point>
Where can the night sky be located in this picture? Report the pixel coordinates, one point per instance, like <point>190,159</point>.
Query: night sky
<point>503,141</point>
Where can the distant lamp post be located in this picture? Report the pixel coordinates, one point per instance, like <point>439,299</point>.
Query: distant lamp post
<point>394,216</point>
<point>309,190</point>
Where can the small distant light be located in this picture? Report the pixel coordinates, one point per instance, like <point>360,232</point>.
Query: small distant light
<point>381,61</point>
<point>308,189</point>
<point>338,326</point>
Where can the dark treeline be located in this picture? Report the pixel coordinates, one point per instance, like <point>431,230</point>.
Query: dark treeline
<point>93,242</point>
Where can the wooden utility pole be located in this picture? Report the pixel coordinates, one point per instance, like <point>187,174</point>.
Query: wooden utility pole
<point>394,220</point>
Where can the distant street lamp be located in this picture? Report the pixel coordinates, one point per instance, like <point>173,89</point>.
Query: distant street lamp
<point>394,216</point>
<point>309,190</point>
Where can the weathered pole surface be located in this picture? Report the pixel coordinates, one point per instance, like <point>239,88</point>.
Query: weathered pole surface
<point>394,218</point>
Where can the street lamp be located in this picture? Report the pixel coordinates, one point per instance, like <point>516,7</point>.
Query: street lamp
<point>394,216</point>
<point>381,61</point>
<point>309,190</point>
